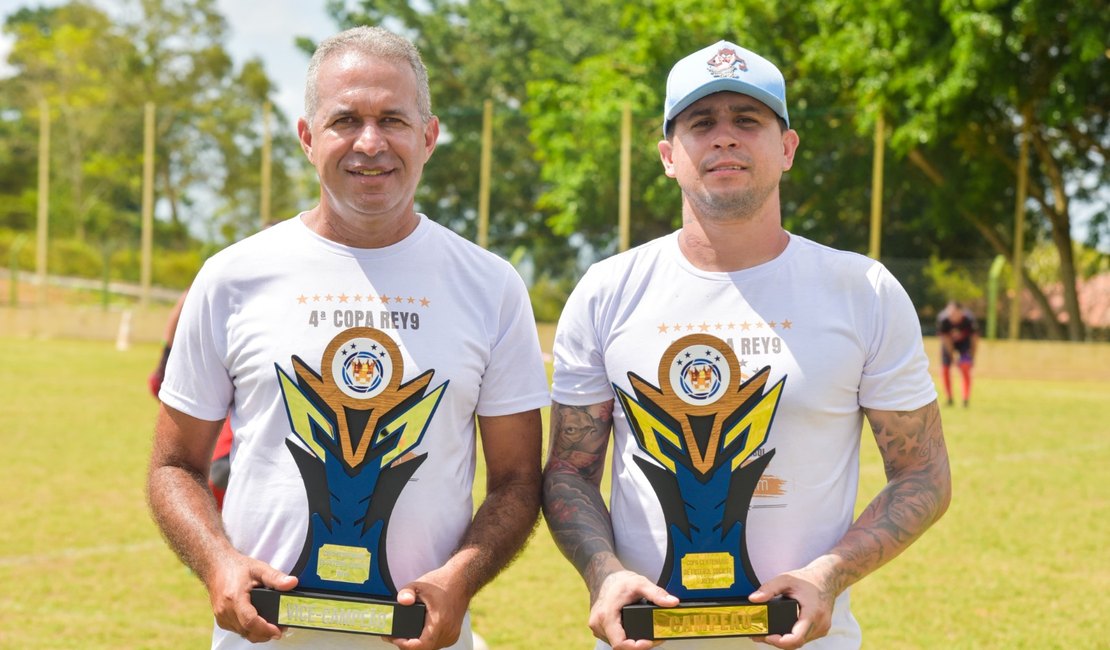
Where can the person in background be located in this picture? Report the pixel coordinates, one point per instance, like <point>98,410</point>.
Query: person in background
<point>959,339</point>
<point>705,316</point>
<point>360,321</point>
<point>220,470</point>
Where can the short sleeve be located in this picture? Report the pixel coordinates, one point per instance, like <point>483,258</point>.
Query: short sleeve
<point>515,379</point>
<point>896,372</point>
<point>197,382</point>
<point>579,377</point>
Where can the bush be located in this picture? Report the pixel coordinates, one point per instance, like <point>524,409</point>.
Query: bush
<point>548,297</point>
<point>73,258</point>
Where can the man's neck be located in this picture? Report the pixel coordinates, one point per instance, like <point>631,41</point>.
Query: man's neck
<point>365,233</point>
<point>731,245</point>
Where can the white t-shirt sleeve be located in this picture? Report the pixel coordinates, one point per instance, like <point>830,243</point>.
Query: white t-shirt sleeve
<point>515,379</point>
<point>197,382</point>
<point>896,371</point>
<point>579,377</point>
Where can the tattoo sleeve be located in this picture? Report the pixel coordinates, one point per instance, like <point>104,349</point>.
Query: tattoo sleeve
<point>917,493</point>
<point>573,507</point>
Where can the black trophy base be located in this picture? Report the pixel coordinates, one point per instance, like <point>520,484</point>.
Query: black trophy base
<point>318,610</point>
<point>706,619</point>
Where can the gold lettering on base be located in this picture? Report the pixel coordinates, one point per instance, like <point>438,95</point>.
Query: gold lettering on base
<point>708,570</point>
<point>731,620</point>
<point>343,564</point>
<point>339,615</point>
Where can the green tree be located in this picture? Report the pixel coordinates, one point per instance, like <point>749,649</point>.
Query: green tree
<point>476,51</point>
<point>956,80</point>
<point>96,73</point>
<point>960,81</point>
<point>66,58</point>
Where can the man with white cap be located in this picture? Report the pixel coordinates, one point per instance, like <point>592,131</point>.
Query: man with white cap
<point>654,340</point>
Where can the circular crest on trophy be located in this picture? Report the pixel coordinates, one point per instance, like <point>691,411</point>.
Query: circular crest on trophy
<point>699,370</point>
<point>364,362</point>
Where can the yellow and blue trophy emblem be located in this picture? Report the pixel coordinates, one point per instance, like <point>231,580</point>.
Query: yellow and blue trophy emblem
<point>704,430</point>
<point>354,428</point>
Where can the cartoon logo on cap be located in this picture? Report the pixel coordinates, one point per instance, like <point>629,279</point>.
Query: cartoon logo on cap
<point>726,63</point>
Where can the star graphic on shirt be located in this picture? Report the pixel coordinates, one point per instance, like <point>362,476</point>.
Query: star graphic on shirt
<point>384,298</point>
<point>786,324</point>
<point>424,302</point>
<point>302,299</point>
<point>704,326</point>
<point>745,326</point>
<point>343,297</point>
<point>398,300</point>
<point>411,300</point>
<point>316,298</point>
<point>663,328</point>
<point>772,324</point>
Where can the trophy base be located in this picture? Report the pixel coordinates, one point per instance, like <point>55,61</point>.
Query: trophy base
<point>705,619</point>
<point>318,610</point>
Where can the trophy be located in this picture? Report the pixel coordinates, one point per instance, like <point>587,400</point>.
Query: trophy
<point>704,427</point>
<point>354,425</point>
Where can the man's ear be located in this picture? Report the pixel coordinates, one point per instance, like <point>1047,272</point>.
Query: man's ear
<point>304,134</point>
<point>666,155</point>
<point>789,148</point>
<point>431,136</point>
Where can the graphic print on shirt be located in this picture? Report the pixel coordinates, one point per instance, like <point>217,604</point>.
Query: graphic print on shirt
<point>354,427</point>
<point>703,426</point>
<point>364,307</point>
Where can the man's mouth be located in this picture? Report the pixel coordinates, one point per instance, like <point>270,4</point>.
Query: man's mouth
<point>728,167</point>
<point>370,172</point>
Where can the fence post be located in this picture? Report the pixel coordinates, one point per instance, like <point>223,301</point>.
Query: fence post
<point>148,200</point>
<point>266,172</point>
<point>1019,230</point>
<point>43,201</point>
<point>877,189</point>
<point>484,173</point>
<point>624,210</point>
<point>992,296</point>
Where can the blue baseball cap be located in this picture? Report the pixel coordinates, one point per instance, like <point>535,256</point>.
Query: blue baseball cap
<point>723,66</point>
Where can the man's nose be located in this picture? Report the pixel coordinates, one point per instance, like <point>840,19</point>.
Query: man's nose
<point>724,137</point>
<point>370,140</point>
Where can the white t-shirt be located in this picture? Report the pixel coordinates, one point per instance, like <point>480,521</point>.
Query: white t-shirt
<point>834,327</point>
<point>447,305</point>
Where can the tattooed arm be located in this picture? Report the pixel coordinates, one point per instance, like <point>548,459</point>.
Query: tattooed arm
<point>579,520</point>
<point>917,493</point>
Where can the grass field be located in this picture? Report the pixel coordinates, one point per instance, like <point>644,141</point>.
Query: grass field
<point>1020,561</point>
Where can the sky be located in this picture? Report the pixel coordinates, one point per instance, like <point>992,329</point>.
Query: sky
<point>262,28</point>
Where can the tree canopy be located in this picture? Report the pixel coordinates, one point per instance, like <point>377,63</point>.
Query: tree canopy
<point>959,83</point>
<point>94,74</point>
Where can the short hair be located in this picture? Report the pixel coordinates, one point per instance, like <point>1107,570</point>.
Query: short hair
<point>377,42</point>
